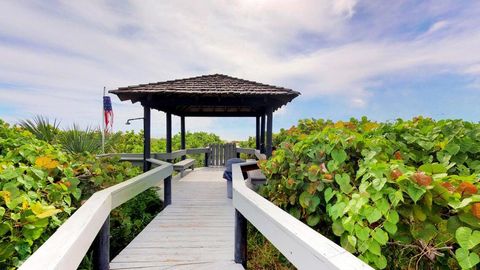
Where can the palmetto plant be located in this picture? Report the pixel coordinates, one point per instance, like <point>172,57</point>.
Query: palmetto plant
<point>76,140</point>
<point>42,127</point>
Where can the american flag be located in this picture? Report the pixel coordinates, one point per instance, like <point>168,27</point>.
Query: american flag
<point>107,113</point>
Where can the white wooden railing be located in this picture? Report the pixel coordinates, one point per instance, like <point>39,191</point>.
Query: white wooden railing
<point>66,248</point>
<point>301,245</point>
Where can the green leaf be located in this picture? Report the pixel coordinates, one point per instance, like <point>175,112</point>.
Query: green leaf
<point>374,215</point>
<point>418,213</point>
<point>393,217</point>
<point>4,228</point>
<point>6,250</point>
<point>453,224</point>
<point>9,173</point>
<point>2,211</point>
<point>374,247</point>
<point>39,173</point>
<point>380,236</point>
<point>337,228</point>
<point>383,205</point>
<point>352,240</point>
<point>381,262</point>
<point>313,220</point>
<point>467,238</point>
<point>433,168</point>
<point>328,194</point>
<point>339,155</point>
<point>425,231</point>
<point>343,181</point>
<point>470,219</point>
<point>452,148</point>
<point>395,197</point>
<point>466,259</point>
<point>390,227</point>
<point>304,199</point>
<point>296,212</point>
<point>415,192</point>
<point>336,210</point>
<point>362,232</point>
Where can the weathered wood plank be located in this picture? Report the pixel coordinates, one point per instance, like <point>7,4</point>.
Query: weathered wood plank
<point>195,232</point>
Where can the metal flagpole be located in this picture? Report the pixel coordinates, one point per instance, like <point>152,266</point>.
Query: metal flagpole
<point>103,123</point>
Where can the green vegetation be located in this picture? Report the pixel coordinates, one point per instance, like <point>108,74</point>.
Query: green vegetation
<point>41,185</point>
<point>402,194</point>
<point>262,255</point>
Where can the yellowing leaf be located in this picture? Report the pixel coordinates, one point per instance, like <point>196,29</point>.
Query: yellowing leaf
<point>49,213</point>
<point>24,204</point>
<point>37,208</point>
<point>339,124</point>
<point>42,212</point>
<point>370,126</point>
<point>6,196</point>
<point>46,162</point>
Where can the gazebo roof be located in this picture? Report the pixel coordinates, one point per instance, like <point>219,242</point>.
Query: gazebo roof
<point>208,95</point>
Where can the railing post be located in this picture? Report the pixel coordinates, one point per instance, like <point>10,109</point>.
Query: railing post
<point>167,191</point>
<point>206,159</point>
<point>101,247</point>
<point>240,239</point>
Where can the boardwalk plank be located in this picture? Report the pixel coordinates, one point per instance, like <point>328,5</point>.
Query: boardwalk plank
<point>195,232</point>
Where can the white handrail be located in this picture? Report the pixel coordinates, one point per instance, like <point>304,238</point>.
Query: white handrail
<point>66,248</point>
<point>301,245</point>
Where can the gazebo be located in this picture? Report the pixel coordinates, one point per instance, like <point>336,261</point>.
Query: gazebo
<point>209,95</point>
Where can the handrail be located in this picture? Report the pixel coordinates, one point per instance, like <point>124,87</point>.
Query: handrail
<point>301,245</point>
<point>251,151</point>
<point>66,248</point>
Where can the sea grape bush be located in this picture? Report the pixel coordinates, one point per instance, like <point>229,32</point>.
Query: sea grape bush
<point>37,192</point>
<point>402,194</point>
<point>40,187</point>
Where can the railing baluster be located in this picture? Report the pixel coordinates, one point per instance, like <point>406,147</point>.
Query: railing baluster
<point>101,247</point>
<point>206,159</point>
<point>240,239</point>
<point>167,191</point>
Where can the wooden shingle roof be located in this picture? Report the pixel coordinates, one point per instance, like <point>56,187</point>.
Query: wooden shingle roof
<point>208,95</point>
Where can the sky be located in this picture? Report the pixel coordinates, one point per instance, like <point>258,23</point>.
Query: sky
<point>348,58</point>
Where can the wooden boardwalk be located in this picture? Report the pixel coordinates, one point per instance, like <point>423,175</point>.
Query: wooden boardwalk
<point>195,232</point>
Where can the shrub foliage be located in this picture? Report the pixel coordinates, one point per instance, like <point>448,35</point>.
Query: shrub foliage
<point>402,194</point>
<point>41,185</point>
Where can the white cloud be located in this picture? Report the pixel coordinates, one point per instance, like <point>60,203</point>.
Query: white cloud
<point>62,55</point>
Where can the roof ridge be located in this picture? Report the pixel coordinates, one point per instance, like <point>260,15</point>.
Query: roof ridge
<point>204,76</point>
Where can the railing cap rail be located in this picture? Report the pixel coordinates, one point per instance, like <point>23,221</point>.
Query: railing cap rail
<point>66,248</point>
<point>303,246</point>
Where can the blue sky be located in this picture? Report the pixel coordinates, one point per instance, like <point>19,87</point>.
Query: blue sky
<point>348,58</point>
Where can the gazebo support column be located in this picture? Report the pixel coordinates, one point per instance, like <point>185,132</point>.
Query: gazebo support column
<point>146,138</point>
<point>257,132</point>
<point>269,131</point>
<point>182,134</point>
<point>262,134</point>
<point>167,183</point>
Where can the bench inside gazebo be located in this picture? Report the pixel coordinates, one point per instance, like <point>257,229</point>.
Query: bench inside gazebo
<point>199,228</point>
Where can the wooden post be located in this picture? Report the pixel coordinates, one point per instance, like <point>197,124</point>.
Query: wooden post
<point>182,134</point>
<point>257,132</point>
<point>262,134</point>
<point>269,131</point>
<point>169,133</point>
<point>146,138</point>
<point>167,191</point>
<point>101,247</point>
<point>207,156</point>
<point>167,183</point>
<point>240,239</point>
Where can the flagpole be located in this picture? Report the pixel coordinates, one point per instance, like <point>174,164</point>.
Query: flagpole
<point>103,124</point>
